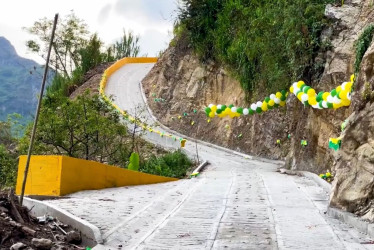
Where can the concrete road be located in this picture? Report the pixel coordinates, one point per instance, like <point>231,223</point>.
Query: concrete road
<point>236,203</point>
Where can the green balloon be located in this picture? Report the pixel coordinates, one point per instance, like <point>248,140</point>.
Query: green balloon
<point>302,86</point>
<point>306,103</point>
<point>223,107</point>
<point>333,92</point>
<point>270,107</point>
<point>320,104</point>
<point>319,97</point>
<point>219,111</point>
<point>306,88</point>
<point>284,92</point>
<point>251,112</point>
<point>283,98</point>
<point>337,95</point>
<point>267,99</point>
<point>276,105</point>
<point>207,110</point>
<point>258,110</point>
<point>239,110</point>
<point>230,106</point>
<point>329,105</point>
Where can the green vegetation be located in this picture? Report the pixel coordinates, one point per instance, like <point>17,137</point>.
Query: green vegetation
<point>9,134</point>
<point>175,164</point>
<point>265,44</point>
<point>362,45</point>
<point>75,50</point>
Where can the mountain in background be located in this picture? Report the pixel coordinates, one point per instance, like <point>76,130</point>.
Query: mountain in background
<point>20,80</point>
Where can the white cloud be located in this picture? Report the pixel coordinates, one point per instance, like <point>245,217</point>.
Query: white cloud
<point>151,19</point>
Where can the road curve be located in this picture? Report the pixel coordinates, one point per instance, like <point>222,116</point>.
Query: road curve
<point>236,203</point>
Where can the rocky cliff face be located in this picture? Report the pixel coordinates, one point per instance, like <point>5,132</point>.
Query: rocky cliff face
<point>353,187</point>
<point>179,86</point>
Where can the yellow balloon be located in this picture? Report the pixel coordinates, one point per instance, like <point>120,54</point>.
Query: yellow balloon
<point>346,102</point>
<point>264,106</point>
<point>325,95</point>
<point>299,95</point>
<point>213,108</point>
<point>311,92</point>
<point>211,114</point>
<point>282,103</point>
<point>343,94</point>
<point>278,95</point>
<point>299,83</point>
<point>271,103</point>
<point>292,89</point>
<point>348,86</point>
<point>352,78</point>
<point>339,88</point>
<point>232,115</point>
<point>312,100</point>
<point>221,115</point>
<point>336,106</point>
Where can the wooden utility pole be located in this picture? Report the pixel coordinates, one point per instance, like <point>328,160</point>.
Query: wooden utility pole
<point>38,111</point>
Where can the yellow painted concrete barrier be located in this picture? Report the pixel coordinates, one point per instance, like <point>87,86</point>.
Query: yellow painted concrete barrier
<point>61,175</point>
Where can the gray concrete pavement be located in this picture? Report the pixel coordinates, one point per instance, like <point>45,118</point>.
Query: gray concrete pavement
<point>236,203</point>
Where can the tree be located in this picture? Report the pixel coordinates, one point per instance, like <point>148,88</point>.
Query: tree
<point>83,128</point>
<point>127,46</point>
<point>71,37</point>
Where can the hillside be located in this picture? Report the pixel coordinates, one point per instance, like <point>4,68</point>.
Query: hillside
<point>20,80</point>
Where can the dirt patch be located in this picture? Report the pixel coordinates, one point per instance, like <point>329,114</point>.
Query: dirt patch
<point>18,226</point>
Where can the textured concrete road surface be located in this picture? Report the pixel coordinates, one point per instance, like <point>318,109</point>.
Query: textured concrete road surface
<point>236,203</point>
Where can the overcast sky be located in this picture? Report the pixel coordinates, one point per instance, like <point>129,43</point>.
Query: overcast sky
<point>151,19</point>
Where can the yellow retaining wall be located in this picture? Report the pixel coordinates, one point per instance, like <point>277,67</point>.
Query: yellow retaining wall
<point>61,175</point>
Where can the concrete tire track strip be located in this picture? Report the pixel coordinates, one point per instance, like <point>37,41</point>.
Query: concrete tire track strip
<point>236,203</point>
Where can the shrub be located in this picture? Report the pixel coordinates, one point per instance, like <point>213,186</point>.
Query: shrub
<point>175,164</point>
<point>362,45</point>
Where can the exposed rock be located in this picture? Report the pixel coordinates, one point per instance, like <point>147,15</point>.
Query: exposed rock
<point>18,246</point>
<point>73,237</point>
<point>42,243</point>
<point>353,187</point>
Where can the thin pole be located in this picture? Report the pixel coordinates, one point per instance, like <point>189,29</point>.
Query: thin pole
<point>38,111</point>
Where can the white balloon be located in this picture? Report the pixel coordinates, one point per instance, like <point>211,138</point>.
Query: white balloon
<point>253,106</point>
<point>272,96</point>
<point>277,100</point>
<point>211,105</point>
<point>295,90</point>
<point>330,99</point>
<point>219,106</point>
<point>245,111</point>
<point>294,85</point>
<point>337,100</point>
<point>233,109</point>
<point>259,104</point>
<point>343,85</point>
<point>304,97</point>
<point>324,104</point>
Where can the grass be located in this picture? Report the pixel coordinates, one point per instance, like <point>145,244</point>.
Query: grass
<point>362,45</point>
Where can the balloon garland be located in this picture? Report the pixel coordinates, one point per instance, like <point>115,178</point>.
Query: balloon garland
<point>337,98</point>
